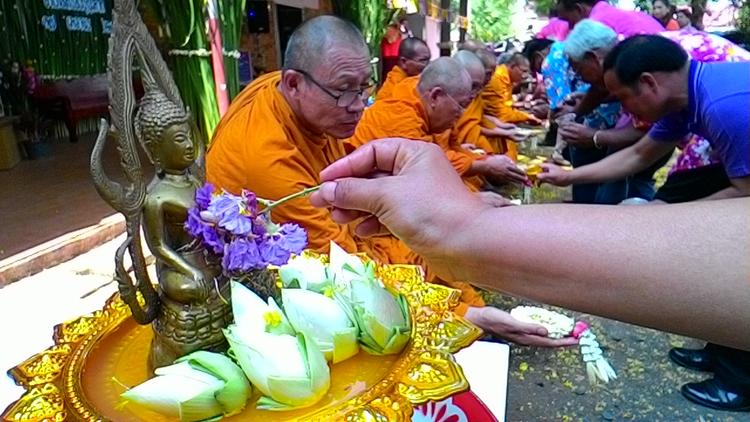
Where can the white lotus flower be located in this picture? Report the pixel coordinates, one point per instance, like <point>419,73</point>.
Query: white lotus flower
<point>288,368</point>
<point>306,273</point>
<point>321,318</point>
<point>253,314</point>
<point>382,318</point>
<point>290,371</point>
<point>199,386</point>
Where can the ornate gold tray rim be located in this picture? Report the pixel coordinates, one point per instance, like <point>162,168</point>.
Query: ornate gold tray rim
<point>425,371</point>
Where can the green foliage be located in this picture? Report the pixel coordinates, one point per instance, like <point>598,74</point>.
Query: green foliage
<point>370,16</point>
<point>490,19</point>
<point>743,18</point>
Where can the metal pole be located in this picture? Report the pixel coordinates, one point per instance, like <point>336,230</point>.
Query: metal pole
<point>445,28</point>
<point>463,10</point>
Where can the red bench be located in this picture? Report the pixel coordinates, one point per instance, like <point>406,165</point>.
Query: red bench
<point>74,100</point>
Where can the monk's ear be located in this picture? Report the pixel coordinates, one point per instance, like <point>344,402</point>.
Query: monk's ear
<point>435,93</point>
<point>290,81</point>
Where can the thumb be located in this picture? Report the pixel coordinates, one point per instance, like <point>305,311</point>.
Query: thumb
<point>532,329</point>
<point>350,194</point>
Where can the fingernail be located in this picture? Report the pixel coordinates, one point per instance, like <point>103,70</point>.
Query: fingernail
<point>541,332</point>
<point>328,191</point>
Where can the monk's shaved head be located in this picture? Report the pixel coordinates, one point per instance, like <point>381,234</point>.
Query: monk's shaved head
<point>446,73</point>
<point>412,47</point>
<point>445,89</point>
<point>488,59</point>
<point>490,63</point>
<point>309,43</point>
<point>471,63</point>
<point>472,45</point>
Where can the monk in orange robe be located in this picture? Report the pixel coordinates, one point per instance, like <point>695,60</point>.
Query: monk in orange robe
<point>284,128</point>
<point>468,130</point>
<point>413,56</point>
<point>498,95</point>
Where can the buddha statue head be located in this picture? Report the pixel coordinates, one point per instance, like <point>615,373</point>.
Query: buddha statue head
<point>164,130</point>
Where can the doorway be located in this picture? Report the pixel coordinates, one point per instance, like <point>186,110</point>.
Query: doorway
<point>288,19</point>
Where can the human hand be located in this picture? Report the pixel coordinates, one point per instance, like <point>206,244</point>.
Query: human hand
<point>554,175</point>
<point>502,324</point>
<point>502,169</point>
<point>499,123</point>
<point>576,134</point>
<point>540,110</point>
<point>495,200</point>
<point>419,197</point>
<point>534,120</point>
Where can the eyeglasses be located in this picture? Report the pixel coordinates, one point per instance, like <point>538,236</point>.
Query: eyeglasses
<point>346,98</point>
<point>456,103</point>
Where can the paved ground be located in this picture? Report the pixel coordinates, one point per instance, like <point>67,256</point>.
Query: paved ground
<point>551,385</point>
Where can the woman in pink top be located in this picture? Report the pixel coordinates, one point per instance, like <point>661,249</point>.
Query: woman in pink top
<point>625,23</point>
<point>556,29</point>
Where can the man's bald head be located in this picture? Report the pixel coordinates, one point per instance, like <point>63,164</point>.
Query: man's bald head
<point>445,89</point>
<point>518,67</point>
<point>309,43</point>
<point>326,76</point>
<point>447,74</point>
<point>490,63</point>
<point>474,68</point>
<point>411,47</point>
<point>413,56</point>
<point>472,45</point>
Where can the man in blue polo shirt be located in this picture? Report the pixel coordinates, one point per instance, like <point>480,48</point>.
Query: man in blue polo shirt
<point>654,80</point>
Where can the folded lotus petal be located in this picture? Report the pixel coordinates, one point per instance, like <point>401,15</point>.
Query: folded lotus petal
<point>236,390</point>
<point>321,319</point>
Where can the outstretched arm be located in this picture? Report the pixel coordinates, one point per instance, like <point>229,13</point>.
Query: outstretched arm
<point>681,268</point>
<point>617,166</point>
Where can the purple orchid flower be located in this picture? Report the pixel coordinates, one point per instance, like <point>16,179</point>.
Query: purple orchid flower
<point>242,255</point>
<point>231,213</point>
<point>203,196</point>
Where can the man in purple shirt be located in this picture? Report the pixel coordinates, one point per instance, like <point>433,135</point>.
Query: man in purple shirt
<point>654,80</point>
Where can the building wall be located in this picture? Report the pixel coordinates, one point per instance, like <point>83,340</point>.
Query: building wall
<point>263,48</point>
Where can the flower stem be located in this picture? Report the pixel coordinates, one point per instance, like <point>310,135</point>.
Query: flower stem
<point>274,204</point>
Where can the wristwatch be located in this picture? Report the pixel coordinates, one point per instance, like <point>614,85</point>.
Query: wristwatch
<point>596,140</point>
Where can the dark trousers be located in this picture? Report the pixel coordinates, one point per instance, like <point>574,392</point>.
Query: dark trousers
<point>732,366</point>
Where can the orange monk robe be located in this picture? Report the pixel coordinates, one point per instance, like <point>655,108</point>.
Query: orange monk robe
<point>260,145</point>
<point>468,130</point>
<point>395,76</point>
<point>404,116</point>
<point>498,102</point>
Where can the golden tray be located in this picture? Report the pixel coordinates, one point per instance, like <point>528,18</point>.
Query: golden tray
<point>97,355</point>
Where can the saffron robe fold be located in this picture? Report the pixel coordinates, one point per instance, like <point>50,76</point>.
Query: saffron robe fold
<point>395,76</point>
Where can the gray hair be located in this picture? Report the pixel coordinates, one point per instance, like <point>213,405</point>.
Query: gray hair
<point>470,61</point>
<point>589,35</point>
<point>446,73</point>
<point>308,44</point>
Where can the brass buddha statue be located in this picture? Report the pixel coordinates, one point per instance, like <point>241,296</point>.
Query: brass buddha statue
<point>191,304</point>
